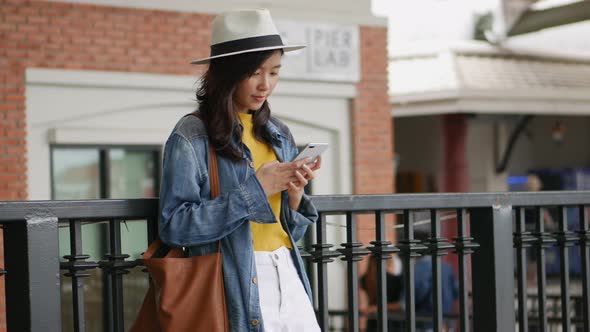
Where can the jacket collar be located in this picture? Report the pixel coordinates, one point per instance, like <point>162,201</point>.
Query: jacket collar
<point>274,133</point>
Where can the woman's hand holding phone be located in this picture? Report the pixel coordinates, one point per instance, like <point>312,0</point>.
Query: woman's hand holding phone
<point>312,154</point>
<point>292,176</point>
<point>276,176</point>
<point>304,174</point>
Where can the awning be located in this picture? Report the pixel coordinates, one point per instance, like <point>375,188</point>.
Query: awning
<point>476,77</point>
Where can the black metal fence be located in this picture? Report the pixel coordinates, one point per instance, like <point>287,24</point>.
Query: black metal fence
<point>500,238</point>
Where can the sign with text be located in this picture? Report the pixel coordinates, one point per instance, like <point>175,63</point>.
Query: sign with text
<point>332,51</point>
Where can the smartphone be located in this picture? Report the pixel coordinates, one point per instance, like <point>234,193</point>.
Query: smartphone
<point>312,150</point>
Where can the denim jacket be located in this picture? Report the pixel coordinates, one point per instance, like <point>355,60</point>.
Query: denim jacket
<point>189,218</point>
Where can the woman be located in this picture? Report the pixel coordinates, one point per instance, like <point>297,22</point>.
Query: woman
<point>262,209</point>
<point>394,282</point>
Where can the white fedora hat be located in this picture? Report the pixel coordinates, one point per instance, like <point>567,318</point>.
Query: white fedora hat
<point>244,31</point>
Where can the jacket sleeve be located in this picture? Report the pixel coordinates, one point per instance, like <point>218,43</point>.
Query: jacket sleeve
<point>189,219</point>
<point>306,214</point>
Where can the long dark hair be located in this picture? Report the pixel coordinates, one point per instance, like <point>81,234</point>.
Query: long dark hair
<point>216,105</point>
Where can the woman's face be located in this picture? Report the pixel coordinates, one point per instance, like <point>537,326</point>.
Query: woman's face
<point>253,91</point>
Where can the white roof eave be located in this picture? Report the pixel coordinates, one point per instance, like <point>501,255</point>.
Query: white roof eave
<point>540,101</point>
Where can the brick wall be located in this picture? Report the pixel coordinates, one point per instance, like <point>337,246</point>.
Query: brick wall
<point>372,128</point>
<point>87,37</point>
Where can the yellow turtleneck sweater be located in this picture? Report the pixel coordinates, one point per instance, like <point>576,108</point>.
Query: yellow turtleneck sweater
<point>267,237</point>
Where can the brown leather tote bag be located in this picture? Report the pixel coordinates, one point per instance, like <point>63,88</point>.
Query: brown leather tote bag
<point>185,293</point>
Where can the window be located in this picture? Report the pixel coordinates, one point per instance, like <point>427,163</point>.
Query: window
<point>108,172</point>
<point>87,172</point>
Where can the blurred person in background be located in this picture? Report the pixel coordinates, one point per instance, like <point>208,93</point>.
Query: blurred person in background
<point>368,284</point>
<point>424,287</point>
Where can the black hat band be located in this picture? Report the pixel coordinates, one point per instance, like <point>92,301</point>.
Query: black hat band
<point>246,44</point>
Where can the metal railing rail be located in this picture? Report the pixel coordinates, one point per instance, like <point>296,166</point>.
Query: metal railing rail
<point>489,226</point>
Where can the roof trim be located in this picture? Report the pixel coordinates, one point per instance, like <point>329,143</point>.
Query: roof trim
<point>492,102</point>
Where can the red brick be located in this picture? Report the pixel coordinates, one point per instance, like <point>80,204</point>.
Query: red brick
<point>92,15</point>
<point>103,25</point>
<point>15,19</point>
<point>4,124</point>
<point>103,41</point>
<point>16,150</point>
<point>61,5</point>
<point>12,168</point>
<point>37,19</point>
<point>5,108</point>
<point>14,98</point>
<point>6,178</point>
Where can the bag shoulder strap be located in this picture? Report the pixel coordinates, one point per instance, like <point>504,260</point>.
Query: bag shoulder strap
<point>214,180</point>
<point>213,173</point>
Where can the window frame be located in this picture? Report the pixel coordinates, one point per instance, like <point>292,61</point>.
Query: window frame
<point>104,165</point>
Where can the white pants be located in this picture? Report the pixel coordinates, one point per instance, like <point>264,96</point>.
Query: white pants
<point>284,303</point>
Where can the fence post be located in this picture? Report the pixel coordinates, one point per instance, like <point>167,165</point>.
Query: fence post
<point>493,269</point>
<point>31,253</point>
